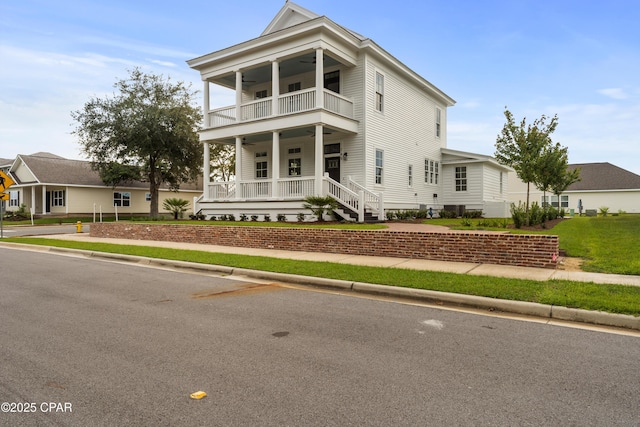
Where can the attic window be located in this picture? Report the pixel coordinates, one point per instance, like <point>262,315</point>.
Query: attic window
<point>438,121</point>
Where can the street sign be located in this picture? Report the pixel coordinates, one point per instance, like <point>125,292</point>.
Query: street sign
<point>4,196</point>
<point>5,181</point>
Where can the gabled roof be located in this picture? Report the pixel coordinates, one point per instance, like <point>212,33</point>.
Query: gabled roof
<point>604,176</point>
<point>292,19</point>
<point>50,169</point>
<point>293,14</point>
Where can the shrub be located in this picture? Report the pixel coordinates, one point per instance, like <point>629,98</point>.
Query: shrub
<point>604,210</point>
<point>466,222</point>
<point>267,218</point>
<point>472,214</point>
<point>254,218</point>
<point>212,218</point>
<point>243,217</point>
<point>281,217</point>
<point>231,217</point>
<point>448,214</point>
<point>300,217</point>
<point>390,215</point>
<point>518,214</point>
<point>319,205</point>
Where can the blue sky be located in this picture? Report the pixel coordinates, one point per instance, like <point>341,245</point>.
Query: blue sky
<point>574,58</point>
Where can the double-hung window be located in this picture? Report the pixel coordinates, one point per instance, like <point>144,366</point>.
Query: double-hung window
<point>461,178</point>
<point>379,92</point>
<point>438,122</point>
<point>14,199</point>
<point>379,166</point>
<point>431,171</point>
<point>295,162</point>
<point>262,165</point>
<point>57,198</point>
<point>410,175</point>
<point>121,198</point>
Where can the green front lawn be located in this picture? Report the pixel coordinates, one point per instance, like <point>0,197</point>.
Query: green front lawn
<point>588,296</point>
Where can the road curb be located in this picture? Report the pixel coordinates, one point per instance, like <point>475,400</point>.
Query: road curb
<point>445,298</point>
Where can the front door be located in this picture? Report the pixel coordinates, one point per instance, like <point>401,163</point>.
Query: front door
<point>332,167</point>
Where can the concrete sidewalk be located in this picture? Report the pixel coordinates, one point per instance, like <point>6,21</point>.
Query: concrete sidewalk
<point>415,264</point>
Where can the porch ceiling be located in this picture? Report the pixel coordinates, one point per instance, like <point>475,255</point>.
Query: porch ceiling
<point>300,64</point>
<point>308,132</point>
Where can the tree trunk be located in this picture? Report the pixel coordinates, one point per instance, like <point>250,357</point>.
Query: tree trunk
<point>153,189</point>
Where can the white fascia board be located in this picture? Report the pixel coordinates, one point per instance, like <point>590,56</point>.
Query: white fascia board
<point>378,51</point>
<point>467,157</point>
<point>16,164</point>
<point>263,43</point>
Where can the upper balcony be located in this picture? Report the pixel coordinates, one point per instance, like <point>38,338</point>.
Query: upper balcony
<point>289,103</point>
<point>303,88</point>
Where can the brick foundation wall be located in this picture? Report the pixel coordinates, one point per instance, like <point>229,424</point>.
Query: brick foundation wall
<point>527,250</point>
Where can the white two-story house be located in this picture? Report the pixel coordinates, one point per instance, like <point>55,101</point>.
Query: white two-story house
<point>322,110</point>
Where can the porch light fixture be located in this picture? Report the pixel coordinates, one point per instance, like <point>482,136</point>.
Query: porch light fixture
<point>344,156</point>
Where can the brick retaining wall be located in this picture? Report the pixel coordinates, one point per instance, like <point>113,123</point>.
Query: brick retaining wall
<point>527,250</point>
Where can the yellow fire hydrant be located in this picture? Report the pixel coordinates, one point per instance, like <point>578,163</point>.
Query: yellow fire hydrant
<point>79,227</point>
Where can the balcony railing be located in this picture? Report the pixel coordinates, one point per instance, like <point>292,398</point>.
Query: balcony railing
<point>288,103</point>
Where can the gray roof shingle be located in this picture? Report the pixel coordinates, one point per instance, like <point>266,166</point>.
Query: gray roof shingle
<point>604,176</point>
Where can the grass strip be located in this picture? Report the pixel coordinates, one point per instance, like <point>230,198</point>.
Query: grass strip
<point>588,296</point>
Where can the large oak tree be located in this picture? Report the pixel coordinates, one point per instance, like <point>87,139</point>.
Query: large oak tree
<point>147,131</point>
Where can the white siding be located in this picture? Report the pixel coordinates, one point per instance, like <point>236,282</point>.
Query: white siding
<point>405,131</point>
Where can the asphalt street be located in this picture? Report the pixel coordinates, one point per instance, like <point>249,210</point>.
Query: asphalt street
<point>126,345</point>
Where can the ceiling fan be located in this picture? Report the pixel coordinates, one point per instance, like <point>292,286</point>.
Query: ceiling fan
<point>324,132</point>
<point>247,81</point>
<point>309,62</point>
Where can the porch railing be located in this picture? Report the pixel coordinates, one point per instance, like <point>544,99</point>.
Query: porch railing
<point>295,102</point>
<point>373,201</point>
<point>288,103</point>
<point>296,188</point>
<point>338,103</point>
<point>222,190</point>
<point>222,116</point>
<point>256,109</point>
<point>353,196</point>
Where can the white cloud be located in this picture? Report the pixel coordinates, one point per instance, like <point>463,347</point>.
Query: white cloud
<point>614,93</point>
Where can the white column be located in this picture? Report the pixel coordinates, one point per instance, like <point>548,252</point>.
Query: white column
<point>319,78</point>
<point>319,167</point>
<point>44,200</point>
<point>238,96</point>
<point>66,200</point>
<point>275,160</point>
<point>206,171</point>
<point>275,88</point>
<point>207,104</point>
<point>238,166</point>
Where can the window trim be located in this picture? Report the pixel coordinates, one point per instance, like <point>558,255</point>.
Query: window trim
<point>431,171</point>
<point>123,200</point>
<point>379,92</point>
<point>461,179</point>
<point>379,168</point>
<point>58,198</point>
<point>438,122</point>
<point>410,175</point>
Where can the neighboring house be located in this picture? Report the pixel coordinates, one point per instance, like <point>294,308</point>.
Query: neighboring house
<point>50,184</point>
<point>600,185</point>
<point>322,110</point>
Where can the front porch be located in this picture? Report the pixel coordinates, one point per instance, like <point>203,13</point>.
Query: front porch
<point>285,196</point>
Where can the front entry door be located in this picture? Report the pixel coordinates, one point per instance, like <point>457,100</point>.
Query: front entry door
<point>332,167</point>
